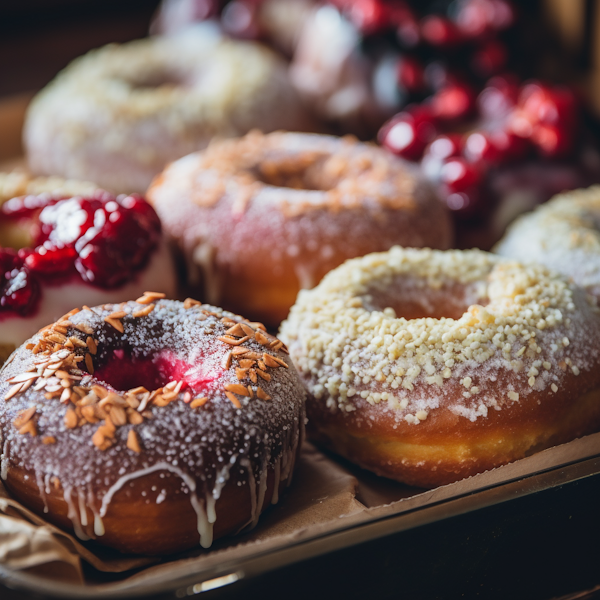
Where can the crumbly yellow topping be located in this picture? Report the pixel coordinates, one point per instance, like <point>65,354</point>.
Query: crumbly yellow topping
<point>521,325</point>
<point>19,183</point>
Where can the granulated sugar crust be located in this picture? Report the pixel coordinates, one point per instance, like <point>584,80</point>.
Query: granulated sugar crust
<point>523,326</point>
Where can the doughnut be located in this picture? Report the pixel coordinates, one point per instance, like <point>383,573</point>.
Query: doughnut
<point>56,252</point>
<point>263,216</point>
<point>118,115</point>
<point>428,367</point>
<point>563,235</point>
<point>18,183</point>
<point>150,426</point>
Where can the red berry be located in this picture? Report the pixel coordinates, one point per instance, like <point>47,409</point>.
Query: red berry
<point>553,141</point>
<point>411,75</point>
<point>490,59</point>
<point>499,97</point>
<point>50,262</point>
<point>408,133</point>
<point>442,148</point>
<point>369,16</point>
<point>480,147</point>
<point>455,101</point>
<point>446,146</point>
<point>459,175</point>
<point>19,290</point>
<point>440,32</point>
<point>477,18</point>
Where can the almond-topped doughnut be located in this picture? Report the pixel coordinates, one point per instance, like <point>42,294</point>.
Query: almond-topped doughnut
<point>119,114</point>
<point>261,217</point>
<point>563,234</point>
<point>150,426</point>
<point>428,367</point>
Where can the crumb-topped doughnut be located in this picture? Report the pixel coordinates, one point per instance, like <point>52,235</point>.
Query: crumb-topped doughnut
<point>428,366</point>
<point>563,234</point>
<point>18,183</point>
<point>263,216</point>
<point>58,251</point>
<point>150,426</point>
<point>119,114</point>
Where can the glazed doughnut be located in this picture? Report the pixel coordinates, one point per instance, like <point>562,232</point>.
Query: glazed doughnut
<point>563,234</point>
<point>266,215</point>
<point>56,252</point>
<point>150,426</point>
<point>119,114</point>
<point>428,367</point>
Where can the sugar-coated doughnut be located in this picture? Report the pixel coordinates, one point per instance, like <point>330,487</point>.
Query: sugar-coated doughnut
<point>150,426</point>
<point>428,367</point>
<point>563,234</point>
<point>57,251</point>
<point>263,216</point>
<point>118,115</point>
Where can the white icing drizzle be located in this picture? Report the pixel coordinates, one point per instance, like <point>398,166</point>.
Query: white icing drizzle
<point>47,483</point>
<point>82,509</point>
<point>98,525</point>
<point>205,528</point>
<point>252,486</point>
<point>4,461</point>
<point>72,514</point>
<point>40,484</point>
<point>305,274</point>
<point>204,258</point>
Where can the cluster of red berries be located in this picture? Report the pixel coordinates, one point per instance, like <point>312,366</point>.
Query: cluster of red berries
<point>102,239</point>
<point>505,123</point>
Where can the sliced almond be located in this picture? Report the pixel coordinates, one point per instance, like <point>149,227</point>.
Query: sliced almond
<point>24,416</point>
<point>133,442</point>
<point>262,394</point>
<point>233,399</point>
<point>198,402</point>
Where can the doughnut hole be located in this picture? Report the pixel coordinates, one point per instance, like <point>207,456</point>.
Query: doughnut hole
<point>311,174</point>
<point>412,298</point>
<point>123,369</point>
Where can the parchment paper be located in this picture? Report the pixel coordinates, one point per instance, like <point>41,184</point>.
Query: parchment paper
<point>327,494</point>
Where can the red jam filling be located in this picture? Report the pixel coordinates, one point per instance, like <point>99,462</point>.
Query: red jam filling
<point>124,371</point>
<point>102,239</point>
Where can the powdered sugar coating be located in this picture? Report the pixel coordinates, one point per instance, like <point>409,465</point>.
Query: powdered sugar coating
<point>563,234</point>
<point>521,325</point>
<point>119,114</point>
<point>205,447</point>
<point>285,208</point>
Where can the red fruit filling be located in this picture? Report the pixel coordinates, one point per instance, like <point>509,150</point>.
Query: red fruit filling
<point>510,123</point>
<point>123,370</point>
<point>103,239</point>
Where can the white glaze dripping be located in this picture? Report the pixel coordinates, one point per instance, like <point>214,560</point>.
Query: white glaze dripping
<point>40,484</point>
<point>82,509</point>
<point>305,275</point>
<point>204,527</point>
<point>4,461</point>
<point>203,257</point>
<point>72,514</point>
<point>252,487</point>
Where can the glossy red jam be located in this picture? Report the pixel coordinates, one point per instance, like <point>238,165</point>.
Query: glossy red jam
<point>124,371</point>
<point>102,239</point>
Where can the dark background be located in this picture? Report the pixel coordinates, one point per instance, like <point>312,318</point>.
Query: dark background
<point>40,37</point>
